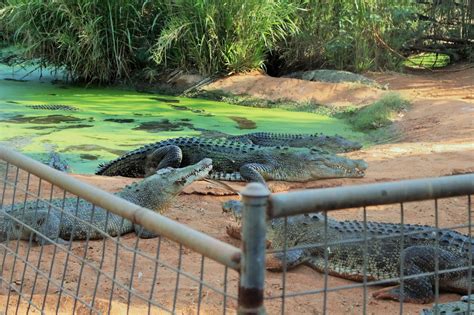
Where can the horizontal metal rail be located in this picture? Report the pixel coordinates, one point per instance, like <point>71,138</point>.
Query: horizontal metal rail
<point>206,245</point>
<point>313,200</point>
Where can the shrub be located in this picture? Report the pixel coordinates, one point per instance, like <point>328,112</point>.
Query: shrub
<point>380,113</point>
<point>352,35</point>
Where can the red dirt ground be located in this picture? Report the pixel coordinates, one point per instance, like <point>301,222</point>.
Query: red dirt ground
<point>437,139</point>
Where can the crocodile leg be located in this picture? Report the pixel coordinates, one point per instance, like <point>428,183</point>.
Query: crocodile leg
<point>233,230</point>
<point>167,156</point>
<point>252,172</point>
<point>421,259</point>
<point>48,225</point>
<point>294,257</point>
<point>142,233</point>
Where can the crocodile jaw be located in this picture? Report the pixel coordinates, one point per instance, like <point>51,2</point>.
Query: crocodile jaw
<point>176,179</point>
<point>316,164</point>
<point>157,191</point>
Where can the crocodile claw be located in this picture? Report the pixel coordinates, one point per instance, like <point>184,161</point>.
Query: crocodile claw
<point>394,293</point>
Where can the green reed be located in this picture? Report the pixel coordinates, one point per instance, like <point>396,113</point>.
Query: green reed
<point>94,40</point>
<point>212,36</point>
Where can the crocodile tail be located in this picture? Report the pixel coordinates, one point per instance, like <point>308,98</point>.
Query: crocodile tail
<point>232,177</point>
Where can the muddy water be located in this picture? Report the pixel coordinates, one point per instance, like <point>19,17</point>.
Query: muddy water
<point>90,125</point>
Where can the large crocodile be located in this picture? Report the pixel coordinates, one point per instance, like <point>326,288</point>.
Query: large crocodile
<point>155,192</point>
<point>235,161</point>
<point>384,252</point>
<point>334,144</point>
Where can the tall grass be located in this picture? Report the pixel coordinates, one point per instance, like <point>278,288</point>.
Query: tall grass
<point>4,32</point>
<point>110,40</point>
<point>212,36</point>
<point>95,40</point>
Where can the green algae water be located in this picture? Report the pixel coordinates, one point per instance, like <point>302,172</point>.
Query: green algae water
<point>87,126</point>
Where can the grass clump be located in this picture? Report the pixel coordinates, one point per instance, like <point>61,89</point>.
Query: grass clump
<point>379,114</point>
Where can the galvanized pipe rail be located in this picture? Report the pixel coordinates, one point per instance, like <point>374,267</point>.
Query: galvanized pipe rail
<point>314,200</point>
<point>208,246</point>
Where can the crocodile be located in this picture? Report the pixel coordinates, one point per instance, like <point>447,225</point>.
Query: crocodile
<point>55,161</point>
<point>155,192</point>
<point>334,144</point>
<point>53,107</point>
<point>235,161</point>
<point>421,247</point>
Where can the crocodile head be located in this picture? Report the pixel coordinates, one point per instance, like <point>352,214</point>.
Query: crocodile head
<point>158,190</point>
<point>337,144</point>
<point>313,164</point>
<point>293,232</point>
<point>296,234</point>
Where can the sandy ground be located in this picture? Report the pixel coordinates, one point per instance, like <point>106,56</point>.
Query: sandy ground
<point>259,85</point>
<point>437,139</point>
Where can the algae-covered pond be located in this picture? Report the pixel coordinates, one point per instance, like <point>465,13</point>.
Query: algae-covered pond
<point>92,125</point>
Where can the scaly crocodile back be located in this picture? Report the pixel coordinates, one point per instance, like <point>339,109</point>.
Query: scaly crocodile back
<point>346,244</point>
<point>412,233</point>
<point>54,107</point>
<point>335,144</point>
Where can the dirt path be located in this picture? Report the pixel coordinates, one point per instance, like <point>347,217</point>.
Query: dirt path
<point>437,139</point>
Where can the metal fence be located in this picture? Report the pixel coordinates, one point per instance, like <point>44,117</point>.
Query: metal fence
<point>442,203</point>
<point>182,271</point>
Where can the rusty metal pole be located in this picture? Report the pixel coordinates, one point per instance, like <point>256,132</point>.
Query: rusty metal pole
<point>252,271</point>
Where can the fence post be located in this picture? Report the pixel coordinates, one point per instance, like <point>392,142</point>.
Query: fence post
<point>252,271</point>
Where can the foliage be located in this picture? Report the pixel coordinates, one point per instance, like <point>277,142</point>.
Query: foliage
<point>352,35</point>
<point>378,114</point>
<point>215,35</point>
<point>448,29</point>
<point>110,40</point>
<point>95,40</point>
<point>4,32</point>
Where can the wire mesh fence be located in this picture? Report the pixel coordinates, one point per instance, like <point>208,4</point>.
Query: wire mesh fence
<point>100,274</point>
<point>366,256</point>
<point>181,271</point>
<point>323,264</point>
